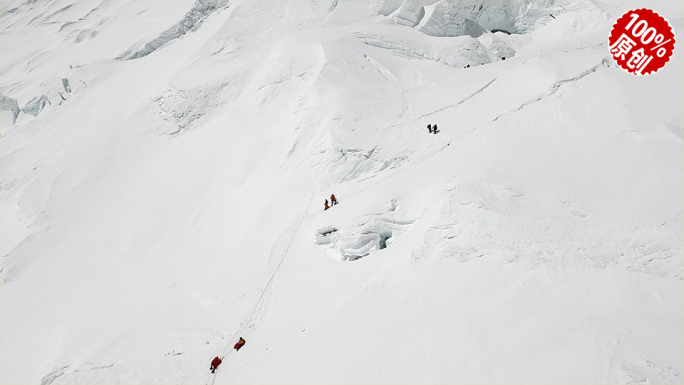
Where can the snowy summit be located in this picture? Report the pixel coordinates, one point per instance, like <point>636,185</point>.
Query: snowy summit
<point>167,172</point>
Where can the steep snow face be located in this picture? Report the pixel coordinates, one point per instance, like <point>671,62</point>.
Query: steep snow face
<point>156,209</point>
<point>191,21</point>
<point>410,13</point>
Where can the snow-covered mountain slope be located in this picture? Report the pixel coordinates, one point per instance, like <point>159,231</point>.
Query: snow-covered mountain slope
<point>165,164</point>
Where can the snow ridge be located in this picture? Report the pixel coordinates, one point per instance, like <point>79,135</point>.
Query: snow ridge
<point>190,22</point>
<point>554,88</point>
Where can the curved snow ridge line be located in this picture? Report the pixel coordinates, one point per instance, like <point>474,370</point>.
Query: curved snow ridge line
<point>386,72</point>
<point>555,86</point>
<point>53,375</point>
<point>45,19</point>
<point>191,21</point>
<point>460,102</point>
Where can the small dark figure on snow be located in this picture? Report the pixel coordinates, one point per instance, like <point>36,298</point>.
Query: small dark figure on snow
<point>240,343</point>
<point>215,363</point>
<point>468,66</point>
<point>434,129</point>
<point>503,58</point>
<point>333,200</point>
<point>326,205</point>
<point>430,128</point>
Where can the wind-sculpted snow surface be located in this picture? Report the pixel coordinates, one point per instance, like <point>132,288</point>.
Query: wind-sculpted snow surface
<point>348,164</point>
<point>156,209</point>
<point>471,218</point>
<point>184,107</point>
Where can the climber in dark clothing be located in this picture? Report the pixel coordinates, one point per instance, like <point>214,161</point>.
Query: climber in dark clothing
<point>434,129</point>
<point>326,205</point>
<point>430,128</point>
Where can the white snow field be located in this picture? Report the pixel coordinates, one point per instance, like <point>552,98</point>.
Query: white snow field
<point>164,166</point>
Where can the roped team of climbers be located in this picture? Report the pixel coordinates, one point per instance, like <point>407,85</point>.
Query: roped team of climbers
<point>333,201</point>
<point>217,361</point>
<point>432,128</point>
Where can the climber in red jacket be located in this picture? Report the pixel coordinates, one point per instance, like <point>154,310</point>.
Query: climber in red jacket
<point>215,363</point>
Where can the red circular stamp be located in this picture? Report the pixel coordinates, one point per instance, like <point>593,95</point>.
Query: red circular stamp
<point>641,41</point>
